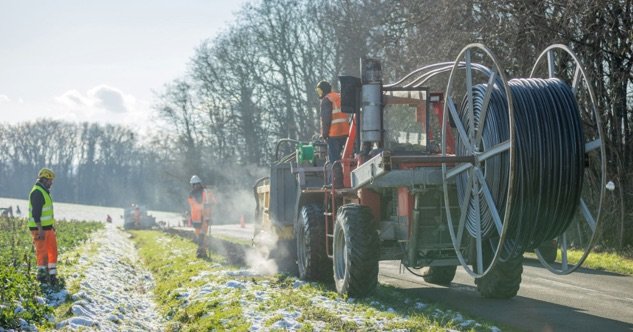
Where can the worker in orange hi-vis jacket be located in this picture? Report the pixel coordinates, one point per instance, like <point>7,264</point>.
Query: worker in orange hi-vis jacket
<point>136,214</point>
<point>200,200</point>
<point>41,223</point>
<point>334,127</point>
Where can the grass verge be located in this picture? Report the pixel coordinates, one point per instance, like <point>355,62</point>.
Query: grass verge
<point>196,294</point>
<point>604,261</point>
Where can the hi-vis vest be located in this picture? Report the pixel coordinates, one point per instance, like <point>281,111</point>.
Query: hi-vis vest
<point>339,125</point>
<point>200,209</point>
<point>47,217</point>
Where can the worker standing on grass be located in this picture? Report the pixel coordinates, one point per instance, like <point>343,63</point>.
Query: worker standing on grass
<point>334,127</point>
<point>41,224</point>
<point>200,200</point>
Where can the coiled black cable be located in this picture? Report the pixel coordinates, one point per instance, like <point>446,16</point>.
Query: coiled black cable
<point>549,166</point>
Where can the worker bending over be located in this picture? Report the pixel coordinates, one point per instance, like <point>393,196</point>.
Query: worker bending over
<point>200,200</point>
<point>41,224</point>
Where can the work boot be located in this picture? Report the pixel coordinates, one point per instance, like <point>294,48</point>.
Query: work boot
<point>52,279</point>
<point>201,253</point>
<point>42,276</point>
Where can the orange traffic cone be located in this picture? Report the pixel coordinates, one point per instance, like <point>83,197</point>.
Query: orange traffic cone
<point>242,223</point>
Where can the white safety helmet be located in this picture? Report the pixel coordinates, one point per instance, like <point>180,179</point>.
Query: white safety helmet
<point>195,179</point>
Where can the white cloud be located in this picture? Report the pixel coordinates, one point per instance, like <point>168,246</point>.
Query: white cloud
<point>74,98</point>
<point>4,99</point>
<point>109,98</point>
<point>101,97</point>
<point>103,104</point>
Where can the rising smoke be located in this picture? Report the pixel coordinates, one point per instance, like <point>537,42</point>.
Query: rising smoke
<point>258,258</point>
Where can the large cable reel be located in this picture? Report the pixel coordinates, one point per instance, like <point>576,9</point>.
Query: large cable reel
<point>558,61</point>
<point>529,142</point>
<point>470,176</point>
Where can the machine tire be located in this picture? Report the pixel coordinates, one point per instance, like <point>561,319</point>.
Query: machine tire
<point>439,275</point>
<point>549,250</point>
<point>355,251</point>
<point>312,259</point>
<point>503,281</point>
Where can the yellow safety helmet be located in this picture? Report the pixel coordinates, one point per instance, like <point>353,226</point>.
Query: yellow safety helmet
<point>46,173</point>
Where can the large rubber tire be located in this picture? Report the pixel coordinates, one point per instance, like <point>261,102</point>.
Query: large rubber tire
<point>439,275</point>
<point>356,249</point>
<point>504,280</point>
<point>549,250</point>
<point>312,259</point>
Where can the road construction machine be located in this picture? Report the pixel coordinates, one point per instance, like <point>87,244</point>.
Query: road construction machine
<point>137,217</point>
<point>475,175</point>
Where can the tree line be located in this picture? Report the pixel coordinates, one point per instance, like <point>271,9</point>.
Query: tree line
<point>94,164</point>
<point>254,83</point>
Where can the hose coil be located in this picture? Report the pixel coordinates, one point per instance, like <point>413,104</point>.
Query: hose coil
<point>549,168</point>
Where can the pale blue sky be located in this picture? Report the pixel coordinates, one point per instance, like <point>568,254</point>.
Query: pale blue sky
<point>98,60</point>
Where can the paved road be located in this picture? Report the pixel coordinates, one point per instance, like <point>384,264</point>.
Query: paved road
<point>234,231</point>
<point>586,300</point>
<point>583,301</point>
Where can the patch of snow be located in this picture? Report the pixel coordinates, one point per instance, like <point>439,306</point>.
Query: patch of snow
<point>241,273</point>
<point>77,323</point>
<point>56,298</point>
<point>25,326</point>
<point>116,292</point>
<point>234,284</point>
<point>201,275</point>
<point>420,306</point>
<point>288,320</point>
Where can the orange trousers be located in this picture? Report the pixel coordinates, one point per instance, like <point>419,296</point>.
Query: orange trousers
<point>46,250</point>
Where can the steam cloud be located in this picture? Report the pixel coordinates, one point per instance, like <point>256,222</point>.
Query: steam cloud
<point>258,258</point>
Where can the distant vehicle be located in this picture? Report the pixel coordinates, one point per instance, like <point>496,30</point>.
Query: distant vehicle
<point>6,212</point>
<point>136,217</point>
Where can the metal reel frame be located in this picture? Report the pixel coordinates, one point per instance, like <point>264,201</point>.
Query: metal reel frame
<point>592,145</point>
<point>471,138</point>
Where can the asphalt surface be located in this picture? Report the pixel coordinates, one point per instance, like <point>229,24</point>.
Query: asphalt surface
<point>586,300</point>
